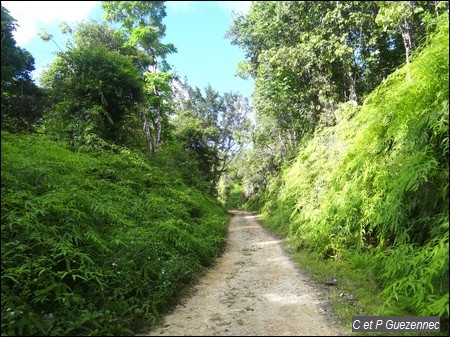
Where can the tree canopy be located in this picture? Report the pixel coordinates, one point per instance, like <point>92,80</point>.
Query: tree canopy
<point>21,99</point>
<point>308,56</point>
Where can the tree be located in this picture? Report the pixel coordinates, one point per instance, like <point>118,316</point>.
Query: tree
<point>307,57</point>
<point>94,87</point>
<point>141,25</point>
<point>195,141</point>
<point>212,127</point>
<point>409,18</point>
<point>22,102</point>
<point>234,126</point>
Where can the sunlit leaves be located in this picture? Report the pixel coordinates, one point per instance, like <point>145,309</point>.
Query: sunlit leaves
<point>377,182</point>
<point>87,238</point>
<point>94,90</point>
<point>212,126</point>
<point>307,57</point>
<point>141,21</point>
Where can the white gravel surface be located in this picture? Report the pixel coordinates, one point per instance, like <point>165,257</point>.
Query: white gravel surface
<point>254,289</point>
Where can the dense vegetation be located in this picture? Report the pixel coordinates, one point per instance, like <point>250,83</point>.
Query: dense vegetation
<point>22,101</point>
<point>367,187</point>
<point>96,243</point>
<point>111,169</point>
<point>382,191</point>
<point>108,178</point>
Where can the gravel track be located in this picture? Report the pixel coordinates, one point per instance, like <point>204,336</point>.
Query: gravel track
<point>254,289</point>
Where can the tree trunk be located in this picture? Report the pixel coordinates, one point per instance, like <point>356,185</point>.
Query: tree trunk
<point>159,117</point>
<point>158,126</point>
<point>352,97</point>
<point>406,28</point>
<point>148,134</point>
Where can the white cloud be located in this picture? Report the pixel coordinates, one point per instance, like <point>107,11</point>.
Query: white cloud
<point>227,6</point>
<point>32,14</point>
<point>235,6</point>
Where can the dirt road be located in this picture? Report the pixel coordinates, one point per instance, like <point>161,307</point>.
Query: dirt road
<point>254,289</point>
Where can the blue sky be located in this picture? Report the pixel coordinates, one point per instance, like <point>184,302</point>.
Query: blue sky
<point>196,28</point>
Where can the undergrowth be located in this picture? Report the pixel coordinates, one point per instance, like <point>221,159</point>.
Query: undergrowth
<point>96,243</point>
<point>374,188</point>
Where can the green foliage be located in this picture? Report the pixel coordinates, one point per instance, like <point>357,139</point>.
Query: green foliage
<point>194,137</point>
<point>376,185</point>
<point>22,102</point>
<point>307,57</point>
<point>231,193</point>
<point>356,291</point>
<point>211,127</point>
<point>17,63</point>
<point>99,243</point>
<point>112,85</point>
<point>416,277</point>
<point>139,24</point>
<point>94,91</point>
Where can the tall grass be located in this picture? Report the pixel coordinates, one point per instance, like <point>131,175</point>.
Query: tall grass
<point>96,243</point>
<point>377,184</point>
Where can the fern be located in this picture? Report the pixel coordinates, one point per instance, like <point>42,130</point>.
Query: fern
<point>96,243</point>
<point>376,184</point>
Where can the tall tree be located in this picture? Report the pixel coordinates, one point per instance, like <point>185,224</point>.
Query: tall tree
<point>141,24</point>
<point>309,56</point>
<point>21,100</point>
<point>409,18</point>
<point>212,126</point>
<point>95,88</point>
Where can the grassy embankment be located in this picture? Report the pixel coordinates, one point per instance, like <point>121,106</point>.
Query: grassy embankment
<point>97,243</point>
<point>366,201</point>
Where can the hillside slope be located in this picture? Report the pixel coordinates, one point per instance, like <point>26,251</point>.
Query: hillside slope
<point>96,243</point>
<point>373,189</point>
